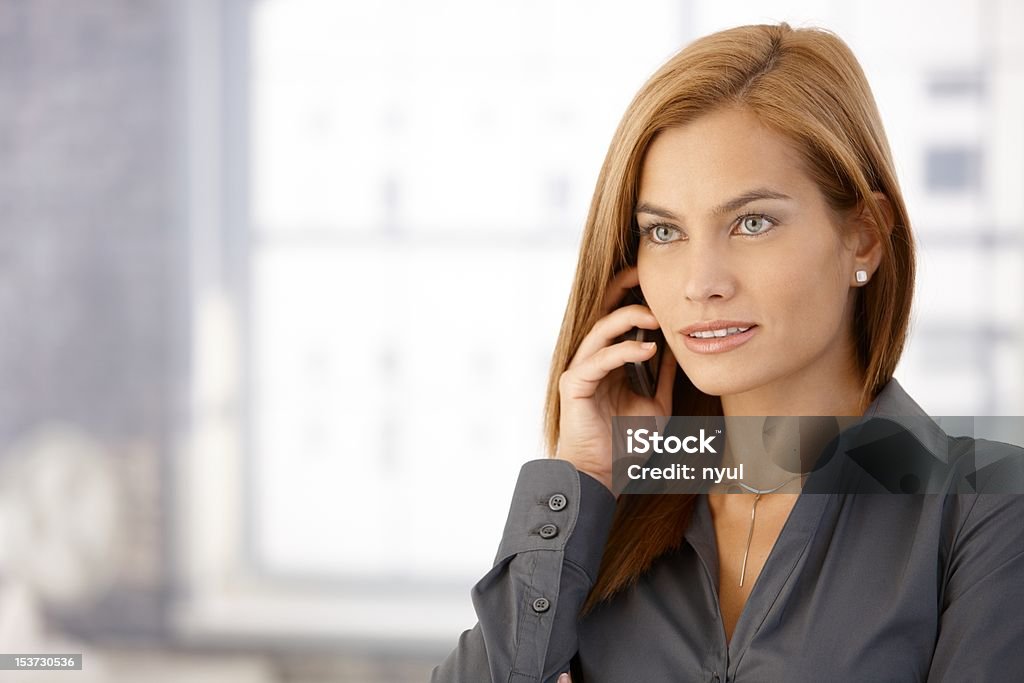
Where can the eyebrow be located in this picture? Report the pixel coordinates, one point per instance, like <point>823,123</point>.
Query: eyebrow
<point>724,207</point>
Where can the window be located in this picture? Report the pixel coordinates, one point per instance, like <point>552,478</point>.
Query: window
<point>403,196</point>
<point>953,168</point>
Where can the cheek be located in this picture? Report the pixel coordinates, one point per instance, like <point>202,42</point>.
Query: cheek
<point>811,290</point>
<point>656,280</point>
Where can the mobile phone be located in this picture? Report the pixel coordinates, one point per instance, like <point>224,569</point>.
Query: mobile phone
<point>643,375</point>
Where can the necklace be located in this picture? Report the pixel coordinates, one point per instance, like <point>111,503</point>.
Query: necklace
<point>753,512</point>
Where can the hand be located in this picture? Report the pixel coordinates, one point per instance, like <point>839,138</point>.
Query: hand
<point>594,387</point>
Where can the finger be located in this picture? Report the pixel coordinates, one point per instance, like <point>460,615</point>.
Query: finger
<point>666,380</point>
<point>565,678</point>
<point>582,381</point>
<point>609,328</point>
<point>621,283</point>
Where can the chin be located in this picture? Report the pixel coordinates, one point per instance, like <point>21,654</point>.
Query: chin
<point>725,382</point>
<point>715,384</point>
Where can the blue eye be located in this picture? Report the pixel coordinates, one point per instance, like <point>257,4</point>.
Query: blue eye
<point>757,225</point>
<point>662,233</point>
<point>657,234</point>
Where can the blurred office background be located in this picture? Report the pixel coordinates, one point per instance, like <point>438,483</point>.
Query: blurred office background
<point>280,280</point>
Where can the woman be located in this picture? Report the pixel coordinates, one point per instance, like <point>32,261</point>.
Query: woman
<point>751,181</point>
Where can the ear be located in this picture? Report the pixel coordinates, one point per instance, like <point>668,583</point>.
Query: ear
<point>865,235</point>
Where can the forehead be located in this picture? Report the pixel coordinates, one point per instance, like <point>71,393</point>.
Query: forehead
<point>716,156</point>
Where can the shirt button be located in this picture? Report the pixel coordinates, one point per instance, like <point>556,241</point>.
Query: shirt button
<point>548,531</point>
<point>556,502</point>
<point>541,605</point>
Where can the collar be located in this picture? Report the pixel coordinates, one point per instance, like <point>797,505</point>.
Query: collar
<point>894,404</point>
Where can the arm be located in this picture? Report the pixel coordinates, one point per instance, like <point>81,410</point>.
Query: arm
<point>981,630</point>
<point>527,604</point>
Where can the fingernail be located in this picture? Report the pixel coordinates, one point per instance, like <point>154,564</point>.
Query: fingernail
<point>564,678</point>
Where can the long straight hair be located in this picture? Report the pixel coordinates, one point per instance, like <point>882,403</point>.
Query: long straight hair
<point>806,85</point>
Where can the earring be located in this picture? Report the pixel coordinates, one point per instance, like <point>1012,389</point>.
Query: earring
<point>862,276</point>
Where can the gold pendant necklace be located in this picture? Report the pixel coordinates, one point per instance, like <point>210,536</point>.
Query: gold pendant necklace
<point>753,513</point>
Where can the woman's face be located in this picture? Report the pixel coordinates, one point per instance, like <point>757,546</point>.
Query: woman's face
<point>746,237</point>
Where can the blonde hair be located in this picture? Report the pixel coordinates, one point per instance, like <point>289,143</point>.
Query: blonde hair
<point>806,85</point>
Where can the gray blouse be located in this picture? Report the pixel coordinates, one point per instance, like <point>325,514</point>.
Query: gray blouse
<point>858,587</point>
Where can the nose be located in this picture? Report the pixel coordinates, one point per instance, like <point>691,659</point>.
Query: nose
<point>708,273</point>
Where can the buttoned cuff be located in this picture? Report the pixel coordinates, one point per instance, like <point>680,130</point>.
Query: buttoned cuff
<point>556,507</point>
<point>585,547</point>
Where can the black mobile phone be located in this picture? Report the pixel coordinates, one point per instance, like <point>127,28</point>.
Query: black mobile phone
<point>643,375</point>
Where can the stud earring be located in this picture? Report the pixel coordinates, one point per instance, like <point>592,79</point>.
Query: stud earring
<point>862,276</point>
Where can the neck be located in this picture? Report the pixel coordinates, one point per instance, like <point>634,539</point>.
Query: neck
<point>812,391</point>
<point>830,387</point>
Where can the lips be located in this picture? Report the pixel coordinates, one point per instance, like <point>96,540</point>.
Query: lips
<point>723,332</point>
<point>720,327</point>
<point>718,336</point>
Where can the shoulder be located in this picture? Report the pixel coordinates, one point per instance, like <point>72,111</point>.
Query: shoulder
<point>985,467</point>
<point>986,505</point>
